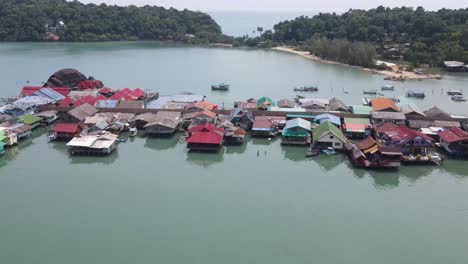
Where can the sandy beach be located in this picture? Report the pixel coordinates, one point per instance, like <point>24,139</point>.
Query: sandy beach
<point>406,75</point>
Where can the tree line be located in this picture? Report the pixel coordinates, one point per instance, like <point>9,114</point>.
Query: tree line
<point>26,20</point>
<point>415,35</point>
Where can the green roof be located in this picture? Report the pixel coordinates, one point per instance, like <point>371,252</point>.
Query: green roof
<point>356,120</point>
<point>326,127</point>
<point>361,110</point>
<point>265,100</point>
<point>29,119</point>
<point>2,136</point>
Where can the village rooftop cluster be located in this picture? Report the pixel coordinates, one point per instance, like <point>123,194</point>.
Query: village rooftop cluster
<point>90,118</point>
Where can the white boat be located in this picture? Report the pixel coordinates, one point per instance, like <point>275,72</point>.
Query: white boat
<point>329,151</point>
<point>133,131</point>
<point>459,98</point>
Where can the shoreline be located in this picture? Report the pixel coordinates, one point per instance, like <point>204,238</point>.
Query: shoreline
<point>406,75</point>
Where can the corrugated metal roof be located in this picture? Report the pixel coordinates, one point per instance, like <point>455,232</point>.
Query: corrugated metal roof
<point>298,122</point>
<point>50,93</point>
<point>328,117</point>
<point>66,128</point>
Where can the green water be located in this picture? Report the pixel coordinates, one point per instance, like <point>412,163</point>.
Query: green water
<point>152,202</point>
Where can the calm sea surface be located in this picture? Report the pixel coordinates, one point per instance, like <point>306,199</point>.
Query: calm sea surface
<point>152,202</point>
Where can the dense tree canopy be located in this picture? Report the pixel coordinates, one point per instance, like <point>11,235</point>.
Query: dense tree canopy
<point>26,20</point>
<point>416,35</point>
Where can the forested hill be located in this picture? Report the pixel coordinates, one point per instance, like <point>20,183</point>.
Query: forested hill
<point>416,35</point>
<point>37,20</point>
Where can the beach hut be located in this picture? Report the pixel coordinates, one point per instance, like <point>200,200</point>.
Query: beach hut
<point>296,132</point>
<point>327,135</point>
<point>32,120</point>
<point>205,137</point>
<point>66,131</point>
<point>265,102</point>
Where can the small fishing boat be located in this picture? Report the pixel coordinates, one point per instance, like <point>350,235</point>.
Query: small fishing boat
<point>329,151</point>
<point>370,92</point>
<point>388,87</point>
<point>459,98</point>
<point>416,94</point>
<point>220,87</point>
<point>312,151</point>
<point>306,89</point>
<point>455,92</point>
<point>133,131</point>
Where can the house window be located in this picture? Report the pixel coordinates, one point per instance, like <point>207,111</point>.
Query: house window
<point>332,137</point>
<point>337,144</point>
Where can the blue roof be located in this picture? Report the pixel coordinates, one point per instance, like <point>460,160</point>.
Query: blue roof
<point>159,103</point>
<point>50,94</point>
<point>328,117</point>
<point>107,103</point>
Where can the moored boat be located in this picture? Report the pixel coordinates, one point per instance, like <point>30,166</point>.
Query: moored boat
<point>220,87</point>
<point>329,151</point>
<point>459,98</point>
<point>388,87</point>
<point>370,92</point>
<point>306,89</point>
<point>455,92</point>
<point>415,94</point>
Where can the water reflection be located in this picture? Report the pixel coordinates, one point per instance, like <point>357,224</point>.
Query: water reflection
<point>294,153</point>
<point>205,159</point>
<point>456,168</point>
<point>162,143</point>
<point>328,163</point>
<point>104,160</point>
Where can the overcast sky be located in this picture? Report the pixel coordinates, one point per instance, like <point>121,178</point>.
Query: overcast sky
<point>286,5</point>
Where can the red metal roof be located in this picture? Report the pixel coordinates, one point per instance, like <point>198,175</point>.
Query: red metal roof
<point>453,134</point>
<point>85,100</point>
<point>66,102</point>
<point>206,134</point>
<point>89,84</point>
<point>106,90</point>
<point>29,90</point>
<point>403,132</point>
<point>66,128</point>
<point>127,94</point>
<point>386,127</point>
